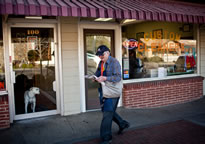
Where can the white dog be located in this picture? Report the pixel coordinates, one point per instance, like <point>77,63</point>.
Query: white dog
<point>29,97</point>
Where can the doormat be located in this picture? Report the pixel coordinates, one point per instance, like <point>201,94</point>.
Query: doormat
<point>178,132</point>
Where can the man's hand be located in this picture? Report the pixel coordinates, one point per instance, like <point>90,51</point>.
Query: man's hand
<point>101,79</point>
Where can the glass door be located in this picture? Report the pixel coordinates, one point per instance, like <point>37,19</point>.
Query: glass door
<point>93,39</point>
<point>33,69</point>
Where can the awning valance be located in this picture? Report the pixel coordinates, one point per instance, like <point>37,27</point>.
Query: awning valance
<point>157,10</point>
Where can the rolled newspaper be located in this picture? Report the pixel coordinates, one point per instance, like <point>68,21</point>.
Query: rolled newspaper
<point>93,77</point>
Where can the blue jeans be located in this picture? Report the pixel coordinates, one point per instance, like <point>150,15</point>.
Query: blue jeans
<point>108,107</point>
<point>108,117</point>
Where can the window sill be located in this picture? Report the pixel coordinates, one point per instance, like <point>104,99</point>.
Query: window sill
<point>3,93</point>
<point>158,79</point>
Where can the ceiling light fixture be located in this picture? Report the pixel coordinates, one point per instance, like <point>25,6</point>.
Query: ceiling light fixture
<point>103,19</point>
<point>33,17</point>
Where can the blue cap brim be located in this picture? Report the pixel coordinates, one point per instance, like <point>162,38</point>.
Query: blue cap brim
<point>99,53</point>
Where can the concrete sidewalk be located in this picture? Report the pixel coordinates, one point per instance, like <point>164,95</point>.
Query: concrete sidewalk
<point>74,128</point>
<point>177,132</point>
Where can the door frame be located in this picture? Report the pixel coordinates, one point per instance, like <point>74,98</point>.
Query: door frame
<point>118,50</point>
<point>96,31</point>
<point>10,85</point>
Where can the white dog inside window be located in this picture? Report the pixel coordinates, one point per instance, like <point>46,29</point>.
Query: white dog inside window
<point>29,97</point>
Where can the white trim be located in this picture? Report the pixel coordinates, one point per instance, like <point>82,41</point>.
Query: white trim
<point>118,51</point>
<point>35,115</point>
<point>6,45</point>
<point>158,79</point>
<point>3,93</point>
<point>198,51</point>
<point>61,94</point>
<point>30,21</point>
<point>94,25</point>
<point>10,72</point>
<point>200,55</point>
<point>11,91</point>
<point>81,67</point>
<point>56,69</point>
<point>40,25</point>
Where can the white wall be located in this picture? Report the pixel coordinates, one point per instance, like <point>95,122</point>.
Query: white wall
<point>71,81</point>
<point>202,56</point>
<point>73,60</point>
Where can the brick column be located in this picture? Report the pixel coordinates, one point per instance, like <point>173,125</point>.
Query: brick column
<point>162,93</point>
<point>4,112</point>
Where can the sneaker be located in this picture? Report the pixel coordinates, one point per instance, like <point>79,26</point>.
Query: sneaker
<point>126,125</point>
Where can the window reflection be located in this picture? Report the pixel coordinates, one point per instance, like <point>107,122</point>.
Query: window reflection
<point>34,66</point>
<point>2,72</point>
<point>163,52</point>
<point>93,41</point>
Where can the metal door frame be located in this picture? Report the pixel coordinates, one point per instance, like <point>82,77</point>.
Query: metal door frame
<point>11,91</point>
<point>96,31</point>
<point>118,50</point>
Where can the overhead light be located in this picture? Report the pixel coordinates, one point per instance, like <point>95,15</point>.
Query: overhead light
<point>33,17</point>
<point>103,19</point>
<point>129,20</point>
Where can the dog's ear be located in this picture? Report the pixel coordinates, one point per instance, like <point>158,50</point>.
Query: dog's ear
<point>31,89</point>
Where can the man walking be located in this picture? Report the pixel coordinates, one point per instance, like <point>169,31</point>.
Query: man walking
<point>109,69</point>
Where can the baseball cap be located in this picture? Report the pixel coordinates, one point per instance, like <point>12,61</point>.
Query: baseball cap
<point>101,49</point>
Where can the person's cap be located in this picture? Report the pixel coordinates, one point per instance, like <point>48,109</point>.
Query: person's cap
<point>101,49</point>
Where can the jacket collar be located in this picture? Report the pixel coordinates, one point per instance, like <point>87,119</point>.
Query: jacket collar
<point>108,60</point>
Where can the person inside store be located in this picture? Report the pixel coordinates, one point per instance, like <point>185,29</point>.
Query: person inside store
<point>109,69</point>
<point>190,61</point>
<point>134,65</point>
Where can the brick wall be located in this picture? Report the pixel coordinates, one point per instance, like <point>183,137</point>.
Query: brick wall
<point>162,93</point>
<point>4,112</point>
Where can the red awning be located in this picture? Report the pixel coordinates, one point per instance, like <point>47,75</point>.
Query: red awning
<point>159,10</point>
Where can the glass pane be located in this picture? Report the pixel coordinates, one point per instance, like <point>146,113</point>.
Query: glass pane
<point>34,67</point>
<point>92,43</point>
<point>166,51</point>
<point>2,72</point>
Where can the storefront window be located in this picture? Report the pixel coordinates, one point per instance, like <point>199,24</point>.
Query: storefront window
<point>158,49</point>
<point>33,65</point>
<point>2,72</point>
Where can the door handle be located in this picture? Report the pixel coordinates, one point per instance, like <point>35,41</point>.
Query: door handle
<point>13,75</point>
<point>54,85</point>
